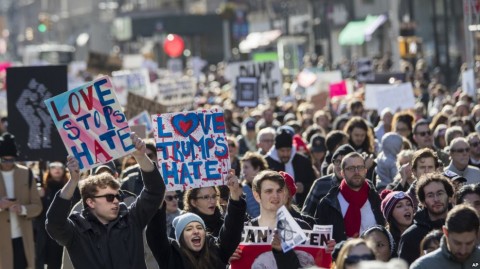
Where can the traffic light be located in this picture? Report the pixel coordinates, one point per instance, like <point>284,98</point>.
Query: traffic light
<point>42,27</point>
<point>409,46</point>
<point>43,23</point>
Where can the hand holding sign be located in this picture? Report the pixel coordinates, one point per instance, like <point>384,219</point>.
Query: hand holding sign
<point>140,153</point>
<point>234,186</point>
<point>276,241</point>
<point>73,168</point>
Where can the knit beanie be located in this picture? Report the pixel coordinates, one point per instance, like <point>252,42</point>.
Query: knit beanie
<point>383,230</point>
<point>342,151</point>
<point>183,220</point>
<point>390,200</point>
<point>7,145</point>
<point>283,139</point>
<point>290,182</point>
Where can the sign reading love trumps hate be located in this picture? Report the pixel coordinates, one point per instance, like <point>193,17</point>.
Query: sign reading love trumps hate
<point>192,148</point>
<point>91,123</point>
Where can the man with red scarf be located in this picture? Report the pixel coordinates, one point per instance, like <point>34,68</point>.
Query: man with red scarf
<point>354,206</point>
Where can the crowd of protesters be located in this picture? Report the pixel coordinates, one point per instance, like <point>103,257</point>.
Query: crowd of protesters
<point>394,184</point>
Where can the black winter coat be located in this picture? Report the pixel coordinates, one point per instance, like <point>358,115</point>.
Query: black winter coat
<point>169,253</point>
<point>329,212</point>
<point>119,244</point>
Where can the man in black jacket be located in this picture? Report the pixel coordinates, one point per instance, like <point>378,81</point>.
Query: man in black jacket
<point>435,192</point>
<point>106,234</point>
<point>283,157</point>
<point>354,205</point>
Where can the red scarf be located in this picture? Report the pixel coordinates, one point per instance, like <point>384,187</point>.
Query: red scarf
<point>355,199</point>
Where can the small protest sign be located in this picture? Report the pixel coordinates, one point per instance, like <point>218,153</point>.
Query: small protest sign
<point>322,84</point>
<point>247,92</point>
<point>468,82</point>
<point>394,96</point>
<point>256,248</point>
<point>142,119</point>
<point>365,72</point>
<point>338,89</point>
<point>28,117</point>
<point>268,74</point>
<point>175,93</point>
<point>290,232</point>
<point>136,81</point>
<point>192,148</point>
<point>91,123</point>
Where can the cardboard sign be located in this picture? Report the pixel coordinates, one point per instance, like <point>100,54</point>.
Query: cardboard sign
<point>394,96</point>
<point>28,117</point>
<point>99,63</point>
<point>125,81</point>
<point>137,104</point>
<point>257,248</point>
<point>142,119</point>
<point>192,148</point>
<point>268,75</point>
<point>91,123</point>
<point>247,92</point>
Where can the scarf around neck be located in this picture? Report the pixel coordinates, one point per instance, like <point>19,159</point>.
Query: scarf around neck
<point>356,200</point>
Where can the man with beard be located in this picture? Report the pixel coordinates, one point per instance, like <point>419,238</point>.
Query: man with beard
<point>354,205</point>
<point>458,245</point>
<point>460,156</point>
<point>283,157</point>
<point>435,192</point>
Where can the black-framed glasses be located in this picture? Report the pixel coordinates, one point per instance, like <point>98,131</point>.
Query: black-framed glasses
<point>111,197</point>
<point>7,160</point>
<point>354,259</point>
<point>358,168</point>
<point>169,198</point>
<point>460,150</point>
<point>424,133</point>
<point>208,197</point>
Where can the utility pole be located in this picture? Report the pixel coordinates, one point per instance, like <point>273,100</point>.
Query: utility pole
<point>467,21</point>
<point>394,32</point>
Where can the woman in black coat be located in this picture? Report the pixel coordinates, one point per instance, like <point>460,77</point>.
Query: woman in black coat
<point>193,247</point>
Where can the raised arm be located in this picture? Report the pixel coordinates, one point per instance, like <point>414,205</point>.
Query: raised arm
<point>157,237</point>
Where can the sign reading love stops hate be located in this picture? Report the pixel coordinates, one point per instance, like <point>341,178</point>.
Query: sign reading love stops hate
<point>192,148</point>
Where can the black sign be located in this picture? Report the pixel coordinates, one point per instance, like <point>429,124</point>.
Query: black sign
<point>28,118</point>
<point>247,91</point>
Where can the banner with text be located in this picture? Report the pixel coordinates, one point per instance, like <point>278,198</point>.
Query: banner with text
<point>268,75</point>
<point>91,123</point>
<point>257,248</point>
<point>394,96</point>
<point>192,148</point>
<point>28,117</point>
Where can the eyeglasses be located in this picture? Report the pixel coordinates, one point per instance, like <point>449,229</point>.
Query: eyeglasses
<point>110,197</point>
<point>358,168</point>
<point>208,197</point>
<point>474,144</point>
<point>9,160</point>
<point>169,198</point>
<point>460,150</point>
<point>354,259</point>
<point>423,133</point>
<point>432,195</point>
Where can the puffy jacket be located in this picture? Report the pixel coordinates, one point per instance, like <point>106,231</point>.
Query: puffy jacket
<point>119,244</point>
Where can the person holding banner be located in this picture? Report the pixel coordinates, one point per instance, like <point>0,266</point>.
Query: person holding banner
<point>193,247</point>
<point>106,234</point>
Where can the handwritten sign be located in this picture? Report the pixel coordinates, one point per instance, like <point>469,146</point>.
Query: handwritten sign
<point>176,91</point>
<point>396,96</point>
<point>192,148</point>
<point>256,248</point>
<point>268,74</point>
<point>91,123</point>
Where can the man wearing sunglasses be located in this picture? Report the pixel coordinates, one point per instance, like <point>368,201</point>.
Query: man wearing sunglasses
<point>19,204</point>
<point>460,156</point>
<point>106,234</point>
<point>422,135</point>
<point>474,143</point>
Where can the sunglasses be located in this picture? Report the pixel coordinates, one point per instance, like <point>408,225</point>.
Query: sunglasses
<point>111,197</point>
<point>208,197</point>
<point>460,150</point>
<point>9,160</point>
<point>423,133</point>
<point>354,259</point>
<point>474,144</point>
<point>169,198</point>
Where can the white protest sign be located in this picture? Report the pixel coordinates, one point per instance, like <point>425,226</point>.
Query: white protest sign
<point>135,81</point>
<point>322,84</point>
<point>268,74</point>
<point>468,82</point>
<point>175,91</point>
<point>394,96</point>
<point>291,233</point>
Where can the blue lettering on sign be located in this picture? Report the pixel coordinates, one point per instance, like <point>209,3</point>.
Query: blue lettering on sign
<point>84,153</point>
<point>211,170</point>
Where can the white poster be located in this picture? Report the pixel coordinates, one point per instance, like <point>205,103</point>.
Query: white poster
<point>322,84</point>
<point>291,233</point>
<point>468,83</point>
<point>394,96</point>
<point>135,81</point>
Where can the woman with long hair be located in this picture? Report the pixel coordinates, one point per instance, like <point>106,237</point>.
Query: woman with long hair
<point>47,250</point>
<point>353,252</point>
<point>252,164</point>
<point>360,135</point>
<point>193,246</point>
<point>402,123</point>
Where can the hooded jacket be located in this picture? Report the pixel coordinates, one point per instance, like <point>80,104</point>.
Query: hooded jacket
<point>387,159</point>
<point>409,245</point>
<point>299,166</point>
<point>443,258</point>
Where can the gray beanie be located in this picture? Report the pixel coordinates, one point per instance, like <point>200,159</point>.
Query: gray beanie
<point>183,220</point>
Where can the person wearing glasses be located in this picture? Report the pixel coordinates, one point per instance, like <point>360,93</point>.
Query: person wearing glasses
<point>172,210</point>
<point>352,253</point>
<point>19,204</point>
<point>474,143</point>
<point>422,135</point>
<point>107,233</point>
<point>434,192</point>
<point>354,205</point>
<point>204,202</point>
<point>460,156</point>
